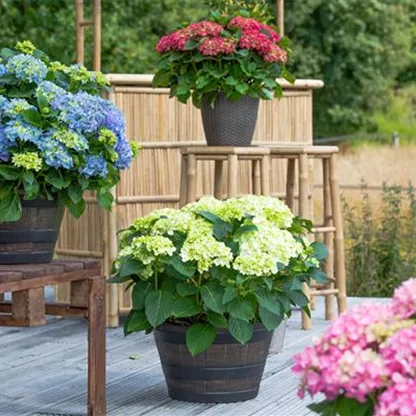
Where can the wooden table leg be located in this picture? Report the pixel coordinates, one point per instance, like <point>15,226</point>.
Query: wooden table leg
<point>232,185</point>
<point>96,347</point>
<point>218,178</point>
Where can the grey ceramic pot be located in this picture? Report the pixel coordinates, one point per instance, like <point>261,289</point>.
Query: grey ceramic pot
<point>230,123</point>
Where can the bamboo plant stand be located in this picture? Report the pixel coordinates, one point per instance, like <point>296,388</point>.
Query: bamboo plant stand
<point>28,308</point>
<point>258,156</point>
<point>331,229</point>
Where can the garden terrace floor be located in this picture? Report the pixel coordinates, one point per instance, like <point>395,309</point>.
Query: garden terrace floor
<point>43,373</point>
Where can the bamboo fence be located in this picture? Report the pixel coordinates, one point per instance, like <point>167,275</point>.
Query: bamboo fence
<point>162,126</point>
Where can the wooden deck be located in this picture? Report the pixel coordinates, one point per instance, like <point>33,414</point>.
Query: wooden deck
<point>43,373</point>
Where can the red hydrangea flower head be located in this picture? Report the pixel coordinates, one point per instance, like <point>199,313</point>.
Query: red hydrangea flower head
<point>273,35</point>
<point>216,46</point>
<point>245,23</point>
<point>275,54</point>
<point>255,40</point>
<point>175,41</point>
<point>205,28</point>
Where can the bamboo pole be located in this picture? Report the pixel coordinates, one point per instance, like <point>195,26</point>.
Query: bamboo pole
<point>280,7</point>
<point>97,35</point>
<point>79,16</point>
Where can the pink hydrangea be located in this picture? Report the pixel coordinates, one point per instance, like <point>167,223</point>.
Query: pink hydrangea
<point>245,23</point>
<point>404,299</point>
<point>217,46</point>
<point>175,41</point>
<point>255,40</point>
<point>399,352</point>
<point>205,28</point>
<point>275,54</point>
<point>399,399</point>
<point>271,33</point>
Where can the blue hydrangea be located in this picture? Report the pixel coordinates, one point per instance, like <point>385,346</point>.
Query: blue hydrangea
<point>125,154</point>
<point>82,112</point>
<point>4,146</point>
<point>3,104</point>
<point>114,119</point>
<point>27,68</point>
<point>16,106</point>
<point>55,153</point>
<point>18,129</point>
<point>50,90</point>
<point>94,166</point>
<point>3,70</point>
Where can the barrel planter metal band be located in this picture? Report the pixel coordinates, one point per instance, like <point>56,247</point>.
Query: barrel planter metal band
<point>32,239</point>
<point>226,372</point>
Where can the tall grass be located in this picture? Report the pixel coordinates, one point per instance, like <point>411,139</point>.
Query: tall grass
<point>380,241</point>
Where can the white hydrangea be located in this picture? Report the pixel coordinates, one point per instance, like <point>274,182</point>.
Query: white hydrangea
<point>147,248</point>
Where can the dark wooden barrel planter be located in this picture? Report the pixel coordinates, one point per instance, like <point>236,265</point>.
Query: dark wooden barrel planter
<point>32,239</point>
<point>226,372</point>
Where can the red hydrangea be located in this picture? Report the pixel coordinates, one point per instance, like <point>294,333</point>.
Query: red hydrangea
<point>253,39</point>
<point>271,33</point>
<point>245,23</point>
<point>175,41</point>
<point>216,46</point>
<point>205,28</point>
<point>275,54</point>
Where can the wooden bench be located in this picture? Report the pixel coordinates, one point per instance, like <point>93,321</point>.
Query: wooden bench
<point>28,308</point>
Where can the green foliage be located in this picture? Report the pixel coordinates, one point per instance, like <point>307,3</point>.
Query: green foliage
<point>168,288</point>
<point>343,406</point>
<point>381,246</point>
<point>244,72</point>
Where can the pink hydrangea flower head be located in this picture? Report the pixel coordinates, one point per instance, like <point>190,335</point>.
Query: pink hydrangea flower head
<point>399,352</point>
<point>245,23</point>
<point>205,28</point>
<point>175,41</point>
<point>255,40</point>
<point>404,299</point>
<point>276,54</point>
<point>217,46</point>
<point>399,399</point>
<point>271,32</point>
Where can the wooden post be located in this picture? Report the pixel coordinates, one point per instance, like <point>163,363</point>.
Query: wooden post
<point>96,348</point>
<point>97,35</point>
<point>191,179</point>
<point>328,239</point>
<point>79,16</point>
<point>339,236</point>
<point>183,184</point>
<point>280,8</point>
<point>304,212</point>
<point>28,307</point>
<point>290,184</point>
<point>218,178</point>
<point>265,175</point>
<point>232,186</point>
<point>256,177</point>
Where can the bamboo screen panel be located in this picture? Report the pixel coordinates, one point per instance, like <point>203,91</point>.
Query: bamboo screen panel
<point>164,125</point>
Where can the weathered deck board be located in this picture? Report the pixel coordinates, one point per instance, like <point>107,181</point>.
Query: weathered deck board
<point>43,373</point>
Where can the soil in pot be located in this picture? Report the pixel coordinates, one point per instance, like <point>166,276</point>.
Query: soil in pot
<point>226,372</point>
<point>230,123</point>
<point>32,239</point>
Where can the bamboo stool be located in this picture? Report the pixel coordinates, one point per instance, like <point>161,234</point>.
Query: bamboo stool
<point>259,157</point>
<point>332,228</point>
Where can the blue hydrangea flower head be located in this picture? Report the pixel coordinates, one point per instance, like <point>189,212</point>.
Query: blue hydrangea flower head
<point>17,129</point>
<point>3,70</point>
<point>16,106</point>
<point>125,153</point>
<point>50,90</point>
<point>3,104</point>
<point>4,145</point>
<point>27,68</point>
<point>55,153</point>
<point>95,165</point>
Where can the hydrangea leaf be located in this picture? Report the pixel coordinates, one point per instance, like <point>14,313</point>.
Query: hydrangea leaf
<point>10,208</point>
<point>242,308</point>
<point>200,337</point>
<point>158,307</point>
<point>136,321</point>
<point>270,301</point>
<point>217,320</point>
<point>139,293</point>
<point>185,307</point>
<point>269,319</point>
<point>241,330</point>
<point>212,294</point>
